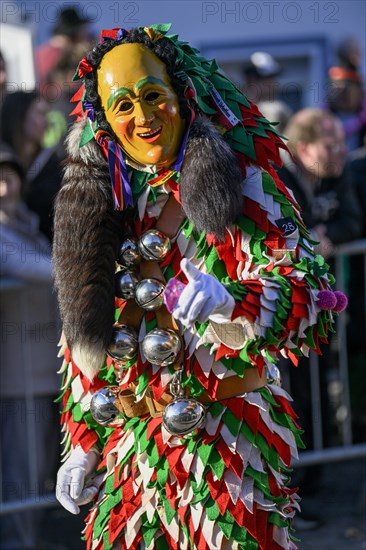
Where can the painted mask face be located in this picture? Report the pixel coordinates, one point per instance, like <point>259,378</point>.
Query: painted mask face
<point>141,105</point>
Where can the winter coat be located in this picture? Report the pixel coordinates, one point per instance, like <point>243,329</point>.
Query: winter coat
<point>28,309</point>
<point>332,203</point>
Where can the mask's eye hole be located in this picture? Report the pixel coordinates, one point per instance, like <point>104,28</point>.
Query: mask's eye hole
<point>125,106</point>
<point>152,96</point>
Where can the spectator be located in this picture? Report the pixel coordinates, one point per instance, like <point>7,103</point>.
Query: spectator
<point>70,29</point>
<point>23,124</point>
<point>260,73</point>
<point>346,97</point>
<point>28,379</point>
<point>317,177</point>
<point>276,111</point>
<point>59,91</point>
<point>349,54</point>
<point>261,87</point>
<point>3,78</point>
<point>356,309</point>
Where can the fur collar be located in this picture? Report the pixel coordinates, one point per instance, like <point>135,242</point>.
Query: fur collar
<point>88,230</point>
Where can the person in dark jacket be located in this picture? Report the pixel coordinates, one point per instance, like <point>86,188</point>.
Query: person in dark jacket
<point>23,125</point>
<point>71,29</point>
<point>357,304</point>
<point>357,167</point>
<point>317,175</point>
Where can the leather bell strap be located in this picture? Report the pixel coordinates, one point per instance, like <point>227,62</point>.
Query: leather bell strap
<point>132,316</point>
<point>169,222</point>
<point>227,388</point>
<point>171,218</point>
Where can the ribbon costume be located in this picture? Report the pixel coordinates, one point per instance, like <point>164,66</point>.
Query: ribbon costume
<point>166,145</point>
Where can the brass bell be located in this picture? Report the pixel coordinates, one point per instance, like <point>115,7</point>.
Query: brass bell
<point>125,283</point>
<point>154,245</point>
<point>124,343</point>
<point>149,294</point>
<point>161,346</point>
<point>129,254</point>
<point>104,407</point>
<point>184,415</point>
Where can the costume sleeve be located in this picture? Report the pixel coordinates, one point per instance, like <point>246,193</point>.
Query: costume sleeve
<point>268,265</point>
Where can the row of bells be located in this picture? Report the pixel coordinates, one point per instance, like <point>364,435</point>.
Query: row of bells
<point>152,245</point>
<point>148,293</point>
<point>180,417</point>
<point>160,346</point>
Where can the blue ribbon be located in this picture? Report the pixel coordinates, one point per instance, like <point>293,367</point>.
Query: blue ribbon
<point>121,34</point>
<point>178,163</point>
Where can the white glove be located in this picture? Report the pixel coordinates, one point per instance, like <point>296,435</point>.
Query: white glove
<point>72,488</point>
<point>203,298</point>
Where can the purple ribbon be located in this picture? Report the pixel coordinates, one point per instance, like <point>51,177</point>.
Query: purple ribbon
<point>90,113</point>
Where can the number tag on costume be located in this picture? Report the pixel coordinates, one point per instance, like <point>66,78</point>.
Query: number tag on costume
<point>286,225</point>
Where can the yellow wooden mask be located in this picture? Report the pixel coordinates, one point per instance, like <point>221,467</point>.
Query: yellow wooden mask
<point>140,105</point>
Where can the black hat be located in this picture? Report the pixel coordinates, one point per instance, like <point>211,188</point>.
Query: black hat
<point>262,65</point>
<point>7,156</point>
<point>69,22</point>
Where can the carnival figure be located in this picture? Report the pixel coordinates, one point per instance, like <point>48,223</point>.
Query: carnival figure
<point>183,269</point>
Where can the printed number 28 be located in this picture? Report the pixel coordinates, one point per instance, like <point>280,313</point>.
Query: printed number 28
<point>289,226</point>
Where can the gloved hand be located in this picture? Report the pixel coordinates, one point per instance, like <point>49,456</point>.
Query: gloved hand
<point>71,488</point>
<point>203,298</point>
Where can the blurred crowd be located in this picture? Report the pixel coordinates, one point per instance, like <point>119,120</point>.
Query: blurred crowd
<point>325,169</point>
<point>33,127</point>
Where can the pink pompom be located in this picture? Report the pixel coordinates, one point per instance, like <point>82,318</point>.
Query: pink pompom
<point>342,301</point>
<point>326,299</point>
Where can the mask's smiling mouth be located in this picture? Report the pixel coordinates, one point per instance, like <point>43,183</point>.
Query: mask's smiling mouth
<point>151,135</point>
